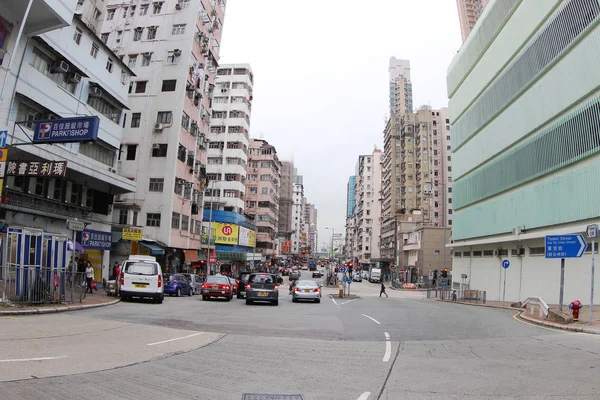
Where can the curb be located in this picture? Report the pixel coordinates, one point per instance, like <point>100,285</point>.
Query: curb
<point>557,326</point>
<point>51,310</point>
<point>481,305</point>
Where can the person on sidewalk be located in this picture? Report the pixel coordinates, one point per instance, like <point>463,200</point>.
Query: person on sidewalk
<point>382,291</point>
<point>89,275</point>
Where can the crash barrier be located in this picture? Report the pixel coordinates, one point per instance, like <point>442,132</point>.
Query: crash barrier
<point>536,305</point>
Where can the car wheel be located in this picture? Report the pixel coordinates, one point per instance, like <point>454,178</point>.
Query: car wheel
<point>178,292</point>
<point>317,300</point>
<point>159,300</point>
<point>276,303</point>
<point>204,298</point>
<point>248,302</point>
<point>295,300</point>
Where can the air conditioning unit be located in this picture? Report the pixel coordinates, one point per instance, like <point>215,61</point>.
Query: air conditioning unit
<point>147,54</point>
<point>155,146</point>
<point>176,52</point>
<point>60,67</point>
<point>95,92</point>
<point>516,231</point>
<point>224,90</point>
<point>75,78</point>
<point>159,127</point>
<point>178,6</point>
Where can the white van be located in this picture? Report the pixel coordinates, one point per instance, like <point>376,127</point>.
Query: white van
<point>141,276</point>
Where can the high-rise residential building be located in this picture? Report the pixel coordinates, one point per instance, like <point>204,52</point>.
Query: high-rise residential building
<point>349,244</point>
<point>262,195</point>
<point>298,236</point>
<point>173,47</point>
<point>285,207</point>
<point>350,196</point>
<point>401,100</point>
<point>469,12</point>
<point>367,212</point>
<point>54,67</point>
<point>524,103</point>
<point>313,232</point>
<point>229,141</point>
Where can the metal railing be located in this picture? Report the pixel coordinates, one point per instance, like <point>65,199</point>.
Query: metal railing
<point>41,286</point>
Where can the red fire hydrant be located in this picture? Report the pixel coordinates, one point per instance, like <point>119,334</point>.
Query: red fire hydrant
<point>575,306</point>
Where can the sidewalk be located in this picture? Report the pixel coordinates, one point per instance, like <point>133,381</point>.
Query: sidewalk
<point>98,299</point>
<point>578,326</point>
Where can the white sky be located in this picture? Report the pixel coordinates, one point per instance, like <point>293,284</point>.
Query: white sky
<point>321,79</point>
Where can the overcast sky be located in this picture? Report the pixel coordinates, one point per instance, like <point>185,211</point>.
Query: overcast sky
<point>321,79</point>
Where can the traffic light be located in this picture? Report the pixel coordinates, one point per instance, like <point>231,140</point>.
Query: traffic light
<point>445,273</point>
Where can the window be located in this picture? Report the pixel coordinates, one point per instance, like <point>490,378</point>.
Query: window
<point>144,9</point>
<point>265,190</point>
<point>156,185</point>
<point>95,50</point>
<point>135,120</point>
<point>140,86</point>
<point>146,57</point>
<point>97,14</point>
<point>106,108</point>
<point>178,29</point>
<point>131,150</point>
<point>169,85</point>
<point>156,7</point>
<point>104,37</point>
<point>137,34</point>
<point>537,251</point>
<point>152,32</point>
<point>181,153</point>
<point>123,217</point>
<point>159,150</point>
<point>164,117</point>
<point>125,9</point>
<point>175,220</point>
<point>109,65</point>
<point>185,121</point>
<point>185,223</point>
<point>110,14</point>
<point>153,219</point>
<point>132,60</point>
<point>77,35</point>
<point>131,12</point>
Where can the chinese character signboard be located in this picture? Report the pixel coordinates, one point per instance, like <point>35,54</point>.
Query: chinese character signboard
<point>247,237</point>
<point>225,233</point>
<point>95,240</point>
<point>3,155</point>
<point>51,169</point>
<point>133,234</point>
<point>66,130</point>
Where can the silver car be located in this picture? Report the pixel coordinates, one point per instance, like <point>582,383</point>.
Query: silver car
<point>307,290</point>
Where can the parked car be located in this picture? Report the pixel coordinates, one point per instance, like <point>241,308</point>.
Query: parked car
<point>217,286</point>
<point>141,277</point>
<point>307,290</point>
<point>242,282</point>
<point>317,274</point>
<point>262,287</point>
<point>356,277</point>
<point>195,282</point>
<point>177,284</point>
<point>234,285</point>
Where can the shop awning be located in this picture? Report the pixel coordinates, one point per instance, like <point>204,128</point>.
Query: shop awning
<point>191,255</point>
<point>154,248</point>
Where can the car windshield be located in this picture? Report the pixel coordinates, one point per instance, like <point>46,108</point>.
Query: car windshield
<point>307,283</point>
<point>262,279</point>
<point>141,268</point>
<point>217,279</point>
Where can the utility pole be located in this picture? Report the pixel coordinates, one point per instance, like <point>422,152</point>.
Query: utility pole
<point>444,224</point>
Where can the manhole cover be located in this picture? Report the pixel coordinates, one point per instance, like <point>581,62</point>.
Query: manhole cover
<point>252,396</point>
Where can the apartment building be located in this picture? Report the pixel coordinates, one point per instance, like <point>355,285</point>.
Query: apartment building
<point>229,141</point>
<point>349,227</point>
<point>173,47</point>
<point>524,119</point>
<point>285,208</point>
<point>469,12</point>
<point>401,99</point>
<point>367,212</point>
<point>262,195</point>
<point>299,236</point>
<point>313,232</point>
<point>57,68</point>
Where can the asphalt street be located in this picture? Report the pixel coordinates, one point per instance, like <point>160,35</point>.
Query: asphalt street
<point>401,347</point>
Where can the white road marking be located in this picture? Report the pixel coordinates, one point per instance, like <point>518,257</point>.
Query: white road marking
<point>172,340</point>
<point>371,318</point>
<point>346,302</point>
<point>364,396</point>
<point>31,359</point>
<point>387,336</point>
<point>388,351</point>
<point>334,301</point>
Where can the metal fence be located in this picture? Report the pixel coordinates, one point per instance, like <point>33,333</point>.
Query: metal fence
<point>42,286</point>
<point>468,295</point>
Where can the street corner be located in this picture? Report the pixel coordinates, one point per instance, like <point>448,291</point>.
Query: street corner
<point>16,309</point>
<point>577,327</point>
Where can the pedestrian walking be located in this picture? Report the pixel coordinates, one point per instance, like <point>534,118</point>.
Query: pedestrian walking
<point>89,275</point>
<point>382,291</point>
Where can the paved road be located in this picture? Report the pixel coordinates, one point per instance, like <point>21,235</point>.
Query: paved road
<point>402,347</point>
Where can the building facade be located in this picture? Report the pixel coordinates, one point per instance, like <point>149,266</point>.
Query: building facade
<point>59,68</point>
<point>310,221</point>
<point>401,99</point>
<point>262,195</point>
<point>173,47</point>
<point>285,208</point>
<point>298,236</point>
<point>469,12</point>
<point>526,146</point>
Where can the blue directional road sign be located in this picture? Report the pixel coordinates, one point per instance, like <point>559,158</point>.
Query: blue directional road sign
<point>66,130</point>
<point>505,263</point>
<point>565,246</point>
<point>3,136</point>
<point>342,269</point>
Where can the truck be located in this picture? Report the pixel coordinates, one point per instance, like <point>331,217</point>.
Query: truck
<point>375,275</point>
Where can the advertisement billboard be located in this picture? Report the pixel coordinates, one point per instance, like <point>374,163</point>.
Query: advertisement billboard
<point>225,233</point>
<point>247,237</point>
<point>66,130</point>
<point>96,240</point>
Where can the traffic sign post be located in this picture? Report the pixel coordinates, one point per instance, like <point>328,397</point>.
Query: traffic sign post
<point>564,246</point>
<point>592,233</point>
<point>3,137</point>
<point>505,265</point>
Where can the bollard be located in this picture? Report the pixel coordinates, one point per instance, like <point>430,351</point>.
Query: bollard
<point>341,293</point>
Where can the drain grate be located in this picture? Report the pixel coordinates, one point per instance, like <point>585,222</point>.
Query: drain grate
<point>253,396</point>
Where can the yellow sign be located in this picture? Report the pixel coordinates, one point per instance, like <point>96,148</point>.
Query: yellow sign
<point>3,156</point>
<point>225,233</point>
<point>247,237</point>
<point>133,234</point>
